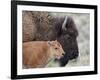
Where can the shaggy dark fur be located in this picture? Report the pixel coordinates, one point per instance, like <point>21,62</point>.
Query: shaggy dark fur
<point>43,26</point>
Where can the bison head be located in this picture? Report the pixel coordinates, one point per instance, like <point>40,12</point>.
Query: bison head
<point>68,40</point>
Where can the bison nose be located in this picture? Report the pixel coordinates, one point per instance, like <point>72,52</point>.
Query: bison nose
<point>63,53</point>
<point>76,55</point>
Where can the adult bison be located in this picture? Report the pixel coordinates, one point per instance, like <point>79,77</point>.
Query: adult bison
<point>44,26</point>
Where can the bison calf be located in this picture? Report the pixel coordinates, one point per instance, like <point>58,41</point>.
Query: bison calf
<point>38,53</point>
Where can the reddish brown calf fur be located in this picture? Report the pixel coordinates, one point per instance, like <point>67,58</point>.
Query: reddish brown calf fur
<point>37,54</point>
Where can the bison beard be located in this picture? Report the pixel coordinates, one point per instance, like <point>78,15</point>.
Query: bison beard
<point>47,27</point>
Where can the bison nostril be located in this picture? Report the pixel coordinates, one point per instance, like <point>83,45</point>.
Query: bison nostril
<point>63,53</point>
<point>76,55</point>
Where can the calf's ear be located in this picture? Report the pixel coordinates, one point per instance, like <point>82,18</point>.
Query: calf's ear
<point>49,43</point>
<point>56,40</point>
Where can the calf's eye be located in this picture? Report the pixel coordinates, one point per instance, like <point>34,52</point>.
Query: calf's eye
<point>56,48</point>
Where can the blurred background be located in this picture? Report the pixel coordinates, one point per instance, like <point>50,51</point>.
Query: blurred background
<point>82,21</point>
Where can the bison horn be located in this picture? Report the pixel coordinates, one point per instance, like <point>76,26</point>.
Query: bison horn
<point>64,23</point>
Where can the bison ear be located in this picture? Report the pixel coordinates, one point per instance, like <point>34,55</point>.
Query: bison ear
<point>49,43</point>
<point>56,40</point>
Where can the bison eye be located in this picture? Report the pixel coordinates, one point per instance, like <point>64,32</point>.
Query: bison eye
<point>56,48</point>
